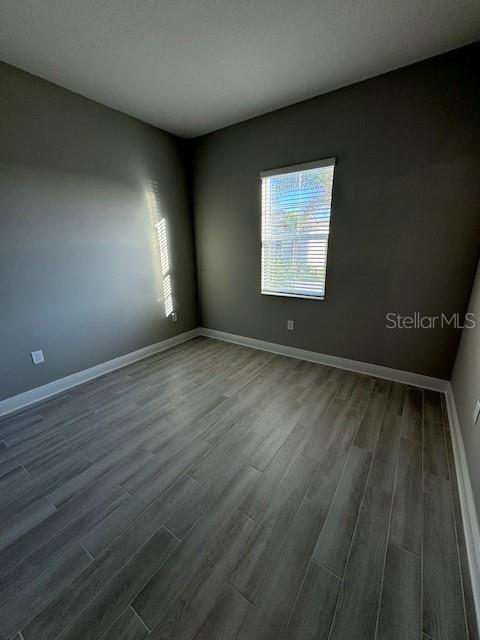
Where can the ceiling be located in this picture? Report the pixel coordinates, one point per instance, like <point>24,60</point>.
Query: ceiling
<point>193,66</point>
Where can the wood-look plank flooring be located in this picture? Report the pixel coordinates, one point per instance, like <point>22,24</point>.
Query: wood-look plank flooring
<point>215,492</point>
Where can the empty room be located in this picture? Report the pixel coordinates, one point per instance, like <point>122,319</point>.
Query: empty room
<point>239,320</point>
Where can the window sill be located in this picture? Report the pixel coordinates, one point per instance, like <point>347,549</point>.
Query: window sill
<point>291,295</point>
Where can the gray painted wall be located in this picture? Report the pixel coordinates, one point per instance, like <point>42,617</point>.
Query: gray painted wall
<point>405,222</point>
<point>78,273</point>
<point>466,389</point>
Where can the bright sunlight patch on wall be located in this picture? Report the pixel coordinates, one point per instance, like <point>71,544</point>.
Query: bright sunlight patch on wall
<point>161,227</point>
<point>160,240</point>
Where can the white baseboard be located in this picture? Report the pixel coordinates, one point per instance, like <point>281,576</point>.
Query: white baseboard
<point>32,396</point>
<point>467,502</point>
<point>405,377</point>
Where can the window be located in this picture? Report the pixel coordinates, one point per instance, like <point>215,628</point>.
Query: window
<point>296,205</point>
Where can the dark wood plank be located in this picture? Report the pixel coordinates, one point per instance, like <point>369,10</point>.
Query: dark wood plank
<point>434,443</point>
<point>406,523</point>
<point>313,612</point>
<point>266,544</point>
<point>20,523</point>
<point>222,419</point>
<point>128,626</point>
<point>88,507</point>
<point>443,613</point>
<point>269,614</point>
<point>166,469</point>
<point>412,418</point>
<point>39,593</point>
<point>362,393</point>
<point>40,483</point>
<point>451,467</point>
<point>331,419</point>
<point>39,548</point>
<point>120,463</point>
<point>333,544</point>
<point>267,449</point>
<point>401,609</point>
<point>172,497</point>
<point>40,429</point>
<point>17,422</point>
<point>108,604</point>
<point>347,385</point>
<point>395,399</point>
<point>342,422</point>
<point>267,419</point>
<point>16,455</point>
<point>358,605</point>
<point>386,455</point>
<point>11,479</point>
<point>209,491</point>
<point>236,445</point>
<point>370,426</point>
<point>316,404</point>
<point>183,615</point>
<point>259,498</point>
<point>167,584</point>
<point>225,617</point>
<point>62,610</point>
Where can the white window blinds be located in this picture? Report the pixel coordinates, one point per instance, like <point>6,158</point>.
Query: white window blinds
<point>296,204</point>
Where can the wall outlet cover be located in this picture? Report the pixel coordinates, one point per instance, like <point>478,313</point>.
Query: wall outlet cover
<point>37,357</point>
<point>174,316</point>
<point>290,325</point>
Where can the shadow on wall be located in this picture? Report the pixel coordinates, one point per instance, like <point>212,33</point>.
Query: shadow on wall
<point>163,271</point>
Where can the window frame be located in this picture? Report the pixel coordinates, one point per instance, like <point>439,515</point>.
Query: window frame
<point>296,168</point>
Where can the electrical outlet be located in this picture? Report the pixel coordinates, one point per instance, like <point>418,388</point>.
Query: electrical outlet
<point>37,357</point>
<point>290,325</point>
<point>174,316</point>
<point>476,412</point>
